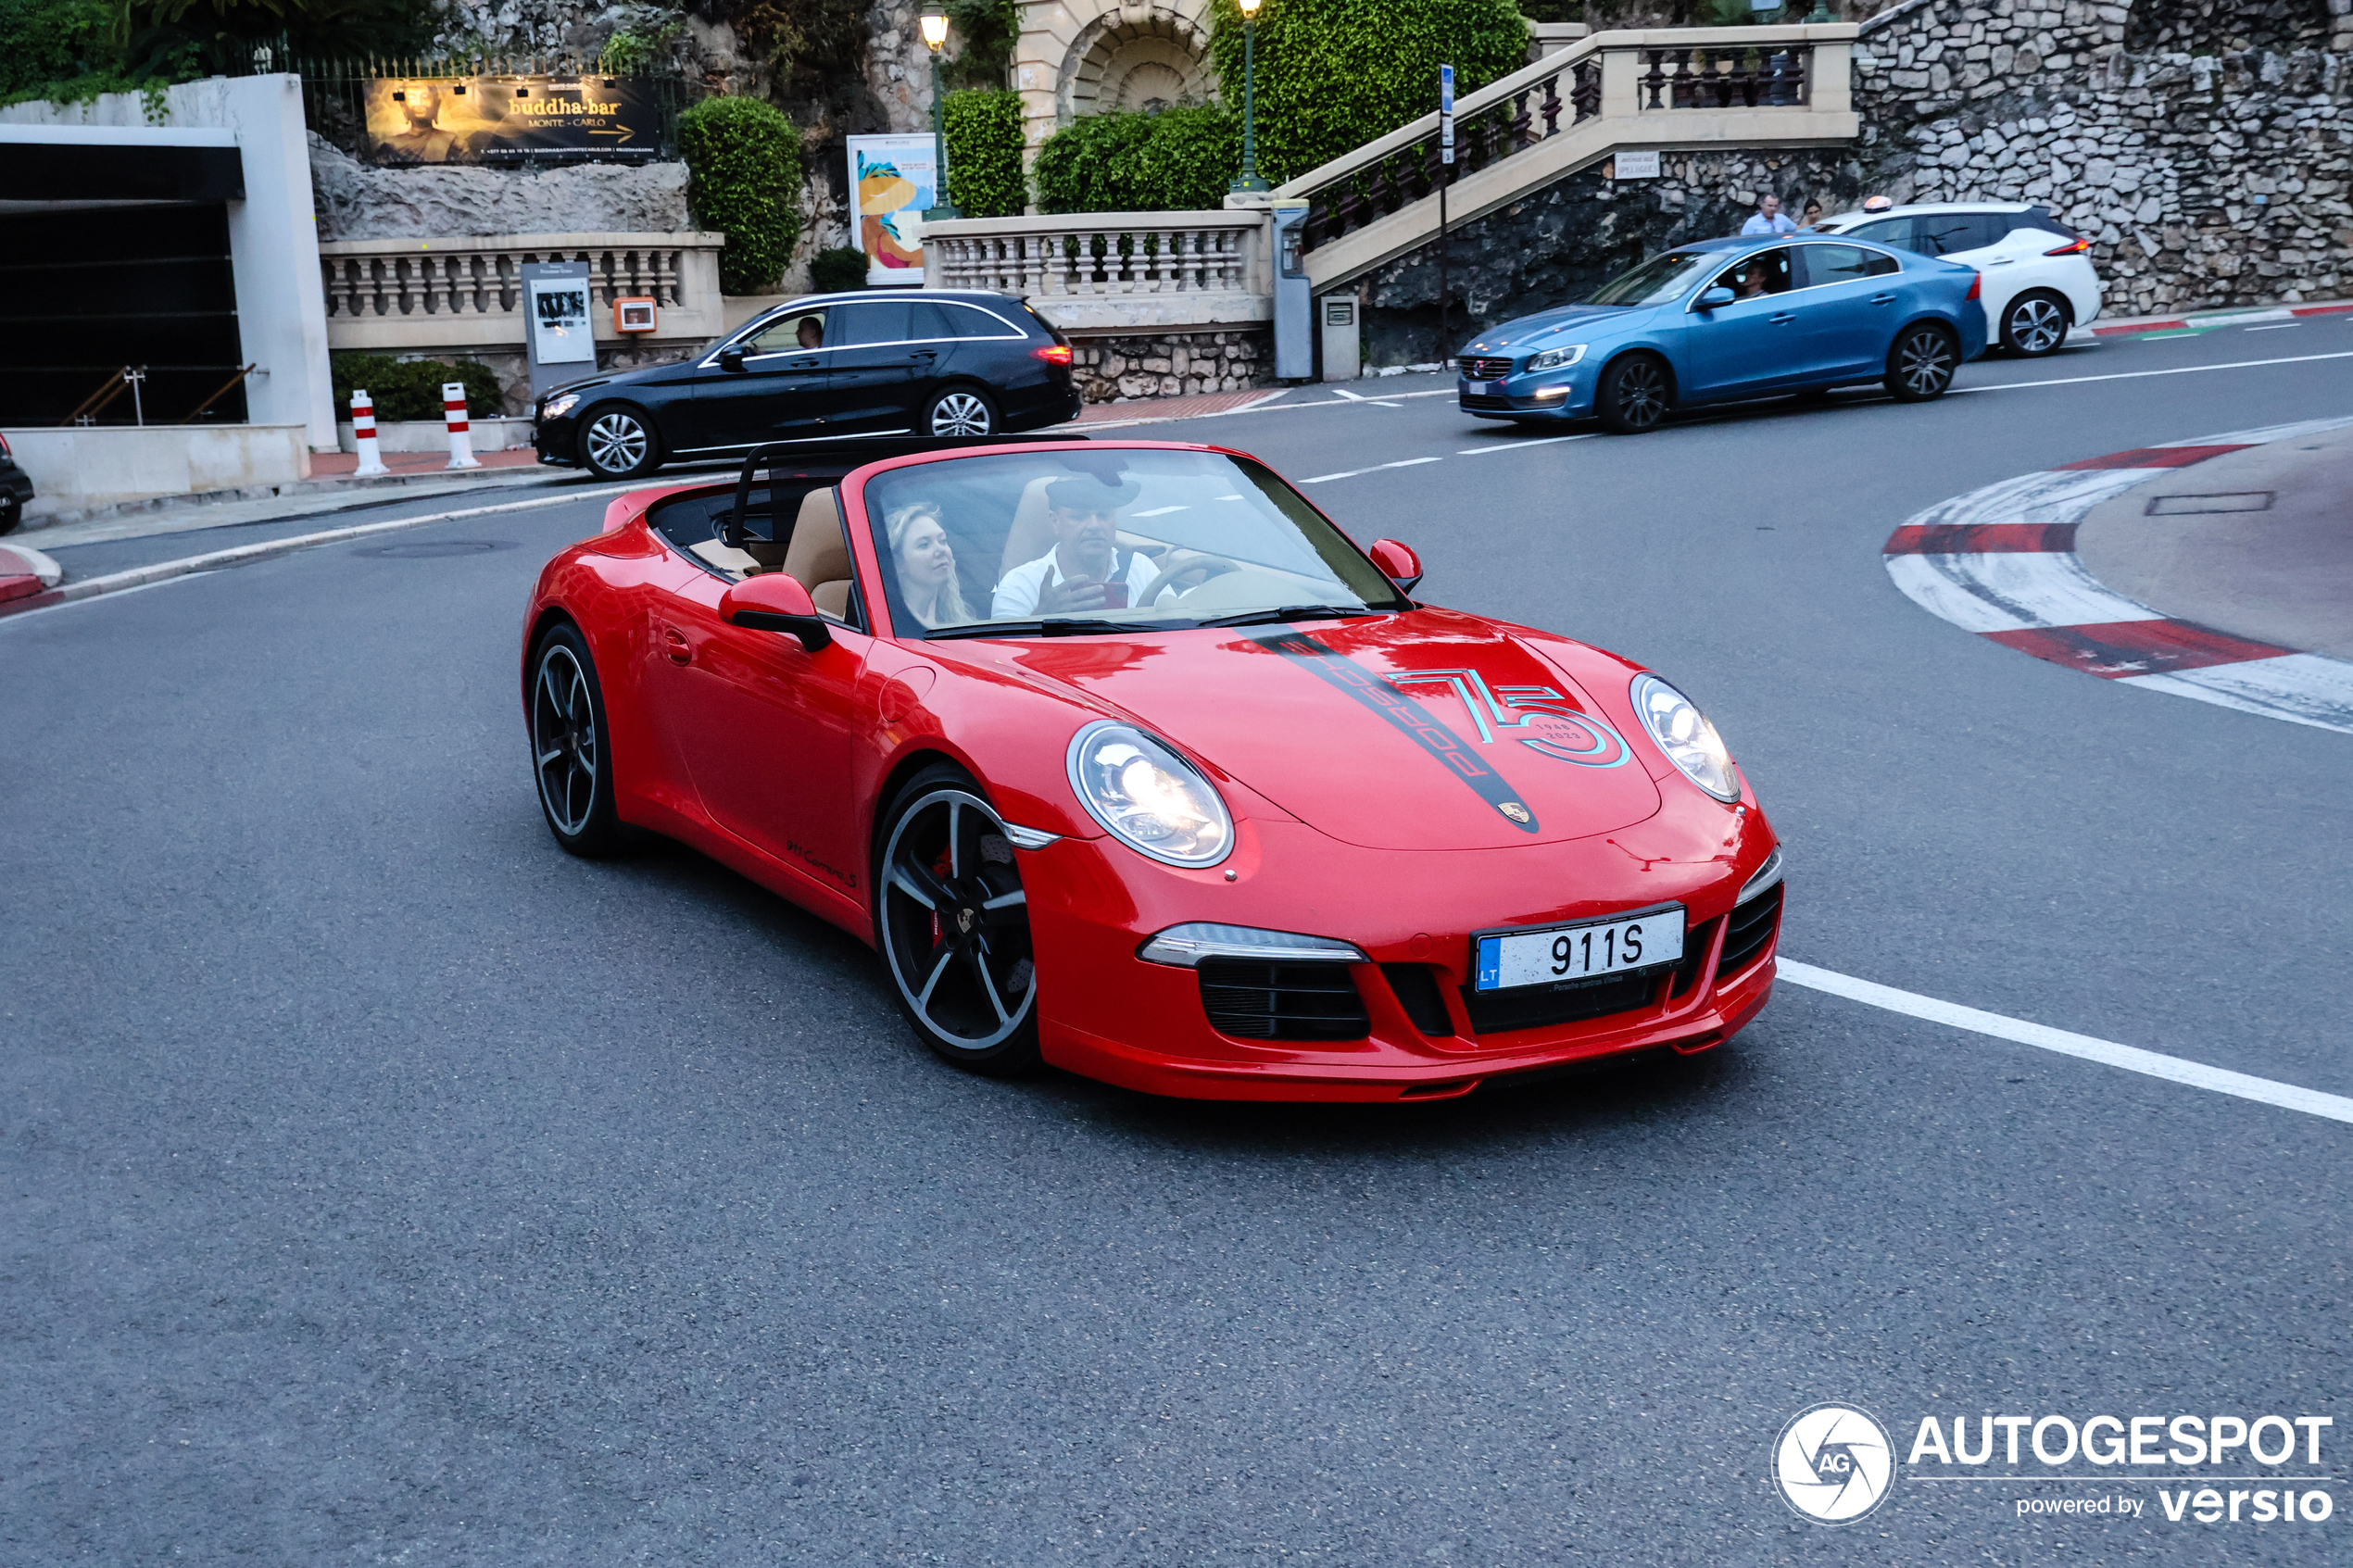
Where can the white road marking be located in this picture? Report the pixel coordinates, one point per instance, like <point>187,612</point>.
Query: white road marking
<point>2282,327</point>
<point>1164,511</point>
<point>1515,445</point>
<point>162,571</point>
<point>2303,688</point>
<point>2011,591</point>
<point>1351,473</point>
<point>2132,1058</point>
<point>2136,375</point>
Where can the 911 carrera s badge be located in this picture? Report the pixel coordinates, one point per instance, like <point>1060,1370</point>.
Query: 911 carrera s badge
<point>1412,719</point>
<point>1537,717</point>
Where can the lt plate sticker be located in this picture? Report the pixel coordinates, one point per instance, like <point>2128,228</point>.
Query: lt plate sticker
<point>1578,952</point>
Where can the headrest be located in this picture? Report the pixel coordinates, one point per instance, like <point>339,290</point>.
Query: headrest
<point>820,550</point>
<point>1033,532</point>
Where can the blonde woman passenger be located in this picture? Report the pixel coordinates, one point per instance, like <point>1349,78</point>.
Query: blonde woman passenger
<point>925,563</point>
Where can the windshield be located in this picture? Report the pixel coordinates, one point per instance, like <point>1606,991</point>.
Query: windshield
<point>1021,542</point>
<point>1660,280</point>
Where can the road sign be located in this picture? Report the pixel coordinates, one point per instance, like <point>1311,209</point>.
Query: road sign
<point>1446,113</point>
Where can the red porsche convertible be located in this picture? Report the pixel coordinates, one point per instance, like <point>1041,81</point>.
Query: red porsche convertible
<point>1128,759</point>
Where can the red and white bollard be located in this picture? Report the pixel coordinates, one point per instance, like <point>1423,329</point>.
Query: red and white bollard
<point>453,413</point>
<point>363,434</point>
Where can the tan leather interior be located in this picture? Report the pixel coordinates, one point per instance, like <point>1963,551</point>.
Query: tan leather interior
<point>734,562</point>
<point>818,557</point>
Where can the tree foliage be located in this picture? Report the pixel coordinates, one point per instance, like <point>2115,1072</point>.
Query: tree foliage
<point>984,136</point>
<point>982,33</point>
<point>743,179</point>
<point>1079,168</point>
<point>1334,74</point>
<point>838,270</point>
<point>1177,160</point>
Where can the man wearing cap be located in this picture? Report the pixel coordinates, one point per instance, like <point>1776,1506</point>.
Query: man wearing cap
<point>1085,570</point>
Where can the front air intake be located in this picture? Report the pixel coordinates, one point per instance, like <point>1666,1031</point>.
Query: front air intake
<point>1282,1001</point>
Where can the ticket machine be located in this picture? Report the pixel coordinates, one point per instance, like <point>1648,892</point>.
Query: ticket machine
<point>1295,307</point>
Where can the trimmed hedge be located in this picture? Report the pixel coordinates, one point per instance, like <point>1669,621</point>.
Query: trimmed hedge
<point>1187,161</point>
<point>838,270</point>
<point>743,179</point>
<point>1080,169</point>
<point>1336,75</point>
<point>410,389</point>
<point>983,133</point>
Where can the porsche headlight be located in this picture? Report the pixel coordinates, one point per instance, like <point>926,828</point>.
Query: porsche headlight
<point>1683,733</point>
<point>1151,798</point>
<point>557,408</point>
<point>1554,358</point>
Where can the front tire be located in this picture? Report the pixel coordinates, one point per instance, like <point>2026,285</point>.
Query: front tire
<point>1922,363</point>
<point>572,757</point>
<point>1635,396</point>
<point>619,442</point>
<point>2035,324</point>
<point>961,410</point>
<point>953,925</point>
<point>11,513</point>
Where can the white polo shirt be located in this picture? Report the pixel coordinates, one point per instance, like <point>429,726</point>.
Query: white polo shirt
<point>1016,595</point>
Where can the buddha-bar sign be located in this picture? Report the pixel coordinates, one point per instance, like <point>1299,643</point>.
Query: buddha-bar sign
<point>511,118</point>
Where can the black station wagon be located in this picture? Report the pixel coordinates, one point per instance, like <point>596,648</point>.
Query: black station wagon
<point>923,362</point>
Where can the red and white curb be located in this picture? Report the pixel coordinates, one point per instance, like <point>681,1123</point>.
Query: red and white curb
<point>25,572</point>
<point>2001,562</point>
<point>2219,319</point>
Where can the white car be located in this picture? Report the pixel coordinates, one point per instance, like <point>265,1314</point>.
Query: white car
<point>2039,282</point>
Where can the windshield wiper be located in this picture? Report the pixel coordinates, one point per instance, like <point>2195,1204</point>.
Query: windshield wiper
<point>1059,626</point>
<point>1289,613</point>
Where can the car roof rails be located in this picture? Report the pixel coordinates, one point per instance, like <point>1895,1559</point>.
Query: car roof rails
<point>825,462</point>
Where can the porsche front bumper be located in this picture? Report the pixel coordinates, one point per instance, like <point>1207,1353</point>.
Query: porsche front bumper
<point>1109,1014</point>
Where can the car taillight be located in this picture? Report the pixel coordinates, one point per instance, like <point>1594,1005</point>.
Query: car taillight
<point>1053,354</point>
<point>2072,247</point>
<point>1976,284</point>
<point>4,448</point>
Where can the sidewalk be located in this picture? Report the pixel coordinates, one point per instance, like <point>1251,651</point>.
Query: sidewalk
<point>2208,320</point>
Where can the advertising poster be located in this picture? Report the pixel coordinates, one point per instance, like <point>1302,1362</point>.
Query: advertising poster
<point>892,180</point>
<point>560,329</point>
<point>508,118</point>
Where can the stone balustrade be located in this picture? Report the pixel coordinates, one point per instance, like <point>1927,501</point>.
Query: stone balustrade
<point>1661,88</point>
<point>1104,272</point>
<point>427,296</point>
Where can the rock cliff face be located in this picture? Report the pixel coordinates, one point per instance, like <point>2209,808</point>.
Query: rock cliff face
<point>356,201</point>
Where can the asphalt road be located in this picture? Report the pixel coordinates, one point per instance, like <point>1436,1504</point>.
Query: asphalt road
<point>384,1185</point>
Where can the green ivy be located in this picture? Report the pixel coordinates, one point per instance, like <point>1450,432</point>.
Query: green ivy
<point>982,132</point>
<point>1334,74</point>
<point>410,389</point>
<point>838,270</point>
<point>743,179</point>
<point>983,34</point>
<point>627,52</point>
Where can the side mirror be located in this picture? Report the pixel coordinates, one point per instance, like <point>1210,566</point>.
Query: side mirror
<point>1708,301</point>
<point>1397,562</point>
<point>774,602</point>
<point>731,358</point>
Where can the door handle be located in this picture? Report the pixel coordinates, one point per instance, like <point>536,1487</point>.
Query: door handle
<point>1781,319</point>
<point>674,644</point>
<point>801,364</point>
<point>924,354</point>
<point>2001,261</point>
<point>1883,299</point>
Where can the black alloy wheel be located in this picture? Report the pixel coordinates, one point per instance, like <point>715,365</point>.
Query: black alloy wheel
<point>569,753</point>
<point>617,442</point>
<point>953,925</point>
<point>961,410</point>
<point>1921,364</point>
<point>1635,396</point>
<point>2035,324</point>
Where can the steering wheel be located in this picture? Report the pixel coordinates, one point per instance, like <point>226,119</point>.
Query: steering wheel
<point>1178,565</point>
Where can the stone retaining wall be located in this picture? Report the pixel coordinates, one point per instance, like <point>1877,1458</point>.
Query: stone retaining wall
<point>1172,364</point>
<point>2202,147</point>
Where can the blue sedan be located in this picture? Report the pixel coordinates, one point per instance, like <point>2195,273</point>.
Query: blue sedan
<point>1732,319</point>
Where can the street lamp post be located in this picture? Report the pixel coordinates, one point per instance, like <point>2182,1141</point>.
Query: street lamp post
<point>1248,180</point>
<point>935,30</point>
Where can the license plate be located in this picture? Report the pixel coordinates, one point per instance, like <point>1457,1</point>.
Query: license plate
<point>1553,955</point>
<point>1479,388</point>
